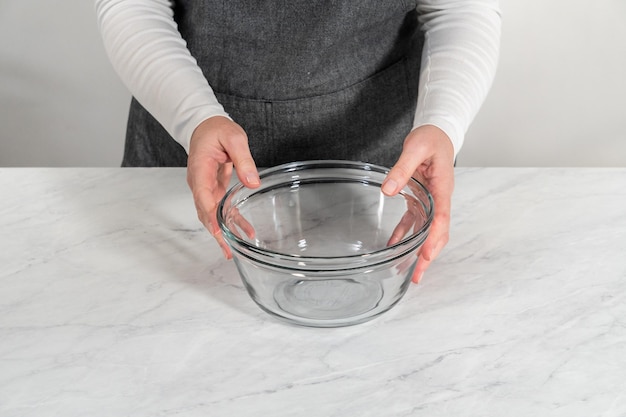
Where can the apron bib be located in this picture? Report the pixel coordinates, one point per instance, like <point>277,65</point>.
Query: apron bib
<point>305,79</point>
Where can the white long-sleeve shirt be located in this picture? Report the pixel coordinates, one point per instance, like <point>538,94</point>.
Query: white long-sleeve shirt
<point>146,49</point>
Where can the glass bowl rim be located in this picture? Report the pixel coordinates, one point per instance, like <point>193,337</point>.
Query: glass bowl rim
<point>324,164</point>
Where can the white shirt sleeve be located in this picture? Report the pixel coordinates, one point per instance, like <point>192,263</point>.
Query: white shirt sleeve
<point>150,56</point>
<point>462,41</point>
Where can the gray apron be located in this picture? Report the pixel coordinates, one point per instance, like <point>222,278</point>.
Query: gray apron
<point>306,79</point>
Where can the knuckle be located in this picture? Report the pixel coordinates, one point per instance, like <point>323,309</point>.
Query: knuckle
<point>442,217</point>
<point>204,210</point>
<point>238,136</point>
<point>441,238</point>
<point>190,179</point>
<point>403,170</point>
<point>244,161</point>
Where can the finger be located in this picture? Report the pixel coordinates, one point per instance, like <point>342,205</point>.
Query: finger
<point>207,215</point>
<point>223,245</point>
<point>207,190</point>
<point>206,207</point>
<point>438,235</point>
<point>423,263</point>
<point>239,153</point>
<point>434,244</point>
<point>203,181</point>
<point>224,174</point>
<point>243,224</point>
<point>420,268</point>
<point>437,238</point>
<point>406,223</point>
<point>410,158</point>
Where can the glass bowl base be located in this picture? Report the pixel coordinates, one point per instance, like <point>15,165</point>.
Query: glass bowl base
<point>334,300</point>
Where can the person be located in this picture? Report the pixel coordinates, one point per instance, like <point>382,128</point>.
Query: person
<point>243,83</point>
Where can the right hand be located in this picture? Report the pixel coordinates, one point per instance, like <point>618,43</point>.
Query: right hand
<point>216,145</point>
<point>427,155</point>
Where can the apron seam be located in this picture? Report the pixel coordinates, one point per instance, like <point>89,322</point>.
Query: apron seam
<point>269,121</point>
<point>223,48</point>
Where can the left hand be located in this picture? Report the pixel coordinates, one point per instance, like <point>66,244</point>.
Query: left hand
<point>216,145</point>
<point>428,156</point>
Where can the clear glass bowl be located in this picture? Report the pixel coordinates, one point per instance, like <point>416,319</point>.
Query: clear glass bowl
<point>319,244</point>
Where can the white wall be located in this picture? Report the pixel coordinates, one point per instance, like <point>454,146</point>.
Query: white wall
<point>60,102</point>
<point>559,98</point>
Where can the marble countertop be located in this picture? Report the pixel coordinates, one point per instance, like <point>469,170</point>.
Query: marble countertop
<point>115,302</point>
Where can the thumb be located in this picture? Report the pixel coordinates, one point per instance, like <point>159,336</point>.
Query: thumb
<point>236,146</point>
<point>402,171</point>
<point>246,169</point>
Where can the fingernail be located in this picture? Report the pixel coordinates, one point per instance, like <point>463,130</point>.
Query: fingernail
<point>253,179</point>
<point>417,279</point>
<point>389,187</point>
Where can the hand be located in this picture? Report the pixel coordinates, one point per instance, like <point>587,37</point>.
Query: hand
<point>427,155</point>
<point>216,145</point>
